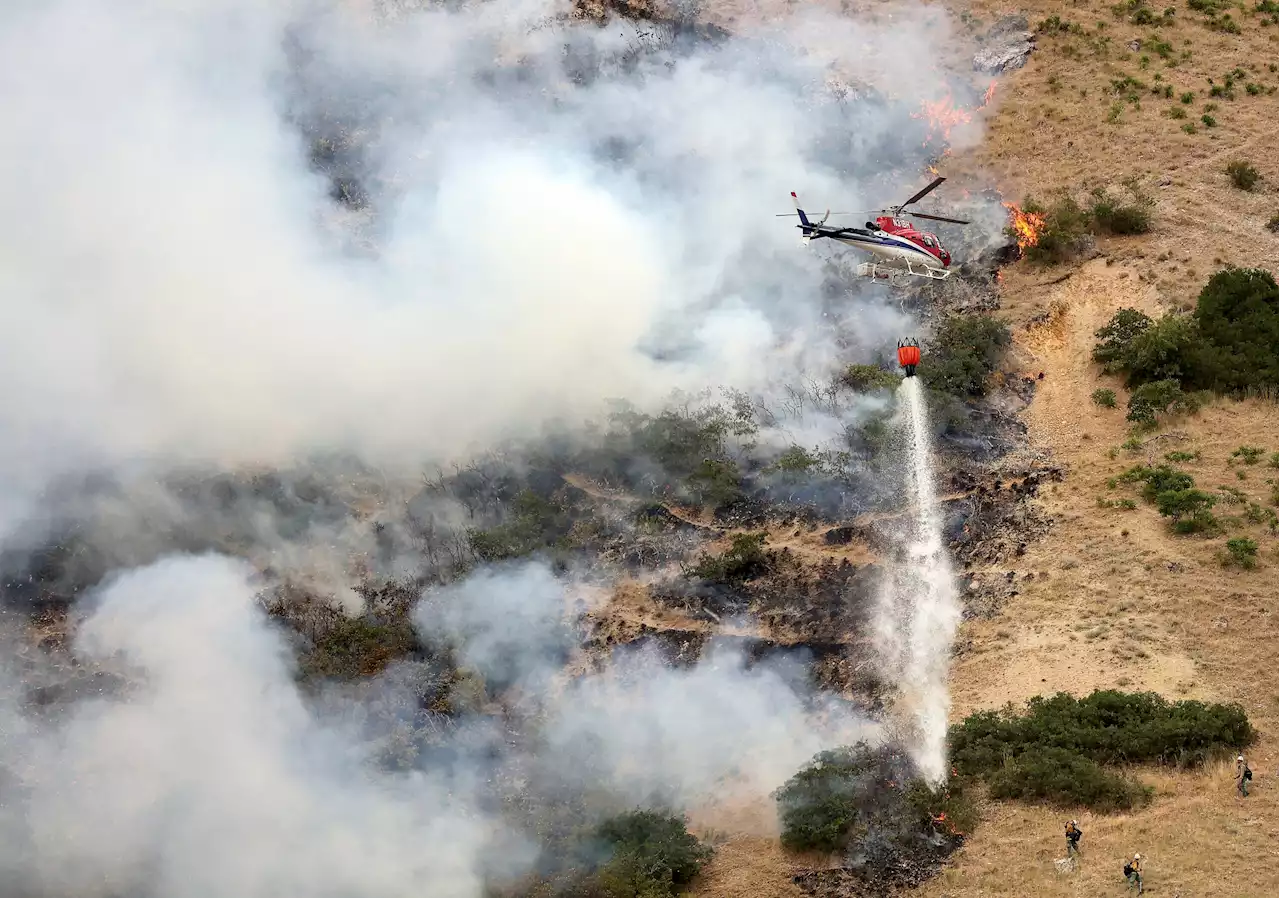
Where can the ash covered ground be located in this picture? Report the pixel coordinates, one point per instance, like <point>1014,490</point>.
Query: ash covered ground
<point>446,449</point>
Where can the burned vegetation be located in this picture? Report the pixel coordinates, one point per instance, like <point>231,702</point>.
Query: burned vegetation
<point>699,528</point>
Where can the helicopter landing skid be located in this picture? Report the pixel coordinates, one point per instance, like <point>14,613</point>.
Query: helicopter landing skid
<point>897,274</point>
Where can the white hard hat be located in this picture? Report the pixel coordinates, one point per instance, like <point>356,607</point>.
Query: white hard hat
<point>1137,857</point>
<point>1240,757</point>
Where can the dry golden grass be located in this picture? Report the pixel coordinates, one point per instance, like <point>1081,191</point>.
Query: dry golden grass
<point>1124,603</point>
<point>1051,131</point>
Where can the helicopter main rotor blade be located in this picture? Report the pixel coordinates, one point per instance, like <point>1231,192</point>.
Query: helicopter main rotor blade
<point>937,218</point>
<point>792,214</point>
<point>922,193</point>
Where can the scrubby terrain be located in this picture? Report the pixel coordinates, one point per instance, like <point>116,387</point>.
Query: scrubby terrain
<point>518,523</point>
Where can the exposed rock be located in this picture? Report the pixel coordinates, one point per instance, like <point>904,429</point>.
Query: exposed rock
<point>1007,25</point>
<point>1007,45</point>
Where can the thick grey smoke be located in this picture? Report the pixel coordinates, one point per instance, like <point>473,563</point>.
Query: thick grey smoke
<point>211,777</point>
<point>554,224</point>
<point>642,728</point>
<point>552,220</point>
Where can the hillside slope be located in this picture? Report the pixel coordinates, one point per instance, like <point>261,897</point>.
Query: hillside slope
<point>1110,598</point>
<point>1117,600</point>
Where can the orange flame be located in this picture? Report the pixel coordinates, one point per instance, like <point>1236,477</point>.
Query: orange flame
<point>942,818</point>
<point>943,115</point>
<point>1026,226</point>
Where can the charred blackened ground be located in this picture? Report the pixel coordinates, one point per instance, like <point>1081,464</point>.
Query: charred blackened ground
<point>614,614</point>
<point>726,535</point>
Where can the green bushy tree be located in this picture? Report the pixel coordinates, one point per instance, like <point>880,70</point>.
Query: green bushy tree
<point>1236,317</point>
<point>964,353</point>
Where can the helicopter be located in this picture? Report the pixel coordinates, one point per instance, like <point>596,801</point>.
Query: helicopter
<point>898,246</point>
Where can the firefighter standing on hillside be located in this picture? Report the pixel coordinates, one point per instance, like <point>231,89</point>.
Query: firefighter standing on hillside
<point>1073,838</point>
<point>1133,873</point>
<point>1243,776</point>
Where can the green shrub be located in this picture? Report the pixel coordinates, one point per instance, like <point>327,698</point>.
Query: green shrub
<point>357,647</point>
<point>1163,351</point>
<point>1063,735</point>
<point>1058,776</point>
<point>716,482</point>
<point>865,378</point>
<point>1063,233</point>
<point>870,798</point>
<point>1104,398</point>
<point>1189,510</point>
<point>963,354</point>
<point>818,806</point>
<point>872,437</point>
<point>1229,344</point>
<point>534,523</point>
<point>1187,97</point>
<point>1177,112</point>
<point>1248,455</point>
<point>1157,480</point>
<point>1243,175</point>
<point>950,802</point>
<point>1209,121</point>
<point>796,460</point>
<point>1111,215</point>
<point>1179,456</point>
<point>1273,224</point>
<point>1239,338</point>
<point>1241,552</point>
<point>1116,339</point>
<point>744,560</point>
<point>1159,397</point>
<point>653,855</point>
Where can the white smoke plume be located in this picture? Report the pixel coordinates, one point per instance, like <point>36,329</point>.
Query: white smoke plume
<point>552,223</point>
<point>642,728</point>
<point>541,245</point>
<point>210,777</point>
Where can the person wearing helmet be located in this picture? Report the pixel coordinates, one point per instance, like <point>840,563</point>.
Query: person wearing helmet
<point>1073,838</point>
<point>1243,776</point>
<point>1133,873</point>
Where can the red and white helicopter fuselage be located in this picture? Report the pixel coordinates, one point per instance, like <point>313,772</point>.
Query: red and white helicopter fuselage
<point>896,244</point>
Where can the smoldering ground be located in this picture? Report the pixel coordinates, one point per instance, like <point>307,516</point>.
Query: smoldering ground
<point>210,774</point>
<point>554,218</point>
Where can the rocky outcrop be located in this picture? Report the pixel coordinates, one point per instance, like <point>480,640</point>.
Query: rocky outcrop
<point>1007,45</point>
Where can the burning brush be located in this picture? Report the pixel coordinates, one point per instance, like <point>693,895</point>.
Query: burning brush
<point>1025,226</point>
<point>943,114</point>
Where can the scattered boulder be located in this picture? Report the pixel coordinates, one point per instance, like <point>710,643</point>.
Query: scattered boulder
<point>1008,43</point>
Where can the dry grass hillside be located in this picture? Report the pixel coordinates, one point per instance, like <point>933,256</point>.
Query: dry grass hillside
<point>1125,602</point>
<point>1062,124</point>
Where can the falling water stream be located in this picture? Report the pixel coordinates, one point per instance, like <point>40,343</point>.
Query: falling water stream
<point>918,609</point>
